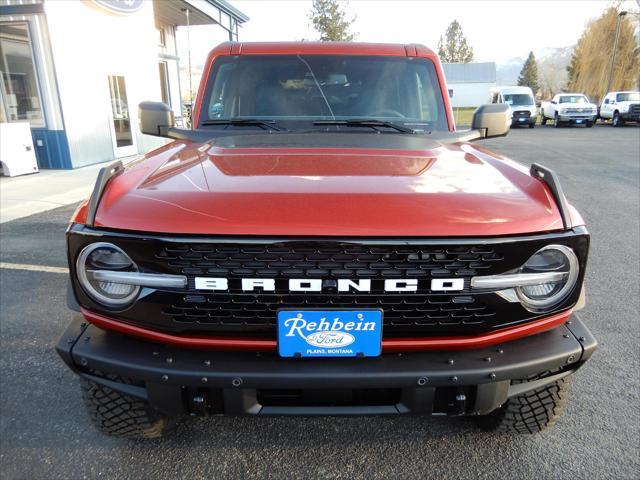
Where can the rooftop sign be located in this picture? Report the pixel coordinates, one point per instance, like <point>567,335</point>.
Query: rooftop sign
<point>120,6</point>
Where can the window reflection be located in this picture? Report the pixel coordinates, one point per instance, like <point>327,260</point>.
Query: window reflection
<point>18,81</point>
<point>120,108</point>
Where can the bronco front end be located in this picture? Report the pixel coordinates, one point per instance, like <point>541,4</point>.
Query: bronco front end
<point>324,242</point>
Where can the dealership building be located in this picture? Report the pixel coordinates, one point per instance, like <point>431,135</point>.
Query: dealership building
<point>73,72</point>
<point>470,83</point>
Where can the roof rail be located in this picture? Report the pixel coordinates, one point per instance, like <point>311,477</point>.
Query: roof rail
<point>550,178</point>
<point>104,175</point>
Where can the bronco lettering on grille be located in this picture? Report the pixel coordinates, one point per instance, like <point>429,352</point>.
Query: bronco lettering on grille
<point>344,285</point>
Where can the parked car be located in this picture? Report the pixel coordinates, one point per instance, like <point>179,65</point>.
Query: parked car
<point>569,108</point>
<point>329,245</point>
<point>521,101</point>
<point>620,107</point>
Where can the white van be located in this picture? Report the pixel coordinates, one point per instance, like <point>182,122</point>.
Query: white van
<point>521,101</point>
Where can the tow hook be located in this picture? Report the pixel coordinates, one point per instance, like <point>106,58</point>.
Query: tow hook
<point>460,404</point>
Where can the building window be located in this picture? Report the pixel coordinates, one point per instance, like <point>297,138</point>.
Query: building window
<point>120,109</point>
<point>21,99</point>
<point>164,82</point>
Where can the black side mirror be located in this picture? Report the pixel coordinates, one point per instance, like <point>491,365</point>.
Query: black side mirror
<point>493,120</point>
<point>554,102</point>
<point>156,118</point>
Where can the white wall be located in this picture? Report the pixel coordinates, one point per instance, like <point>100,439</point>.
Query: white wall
<point>470,94</point>
<point>170,56</point>
<point>88,45</point>
<point>46,71</point>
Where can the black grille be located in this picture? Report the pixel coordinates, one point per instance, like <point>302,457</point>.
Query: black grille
<point>352,262</point>
<point>239,313</point>
<point>635,109</point>
<point>414,310</point>
<point>522,113</point>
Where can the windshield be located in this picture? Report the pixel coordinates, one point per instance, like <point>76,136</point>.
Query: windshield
<point>573,99</point>
<point>628,97</point>
<point>300,89</point>
<point>517,98</point>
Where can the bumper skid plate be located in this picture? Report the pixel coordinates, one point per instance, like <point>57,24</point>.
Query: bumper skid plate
<point>175,380</point>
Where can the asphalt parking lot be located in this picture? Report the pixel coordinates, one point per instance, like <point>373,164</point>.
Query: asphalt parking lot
<point>45,433</point>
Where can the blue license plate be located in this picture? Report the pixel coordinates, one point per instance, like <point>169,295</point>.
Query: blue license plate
<point>329,333</point>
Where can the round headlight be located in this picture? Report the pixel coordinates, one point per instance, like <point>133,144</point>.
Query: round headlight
<point>106,256</point>
<point>552,258</point>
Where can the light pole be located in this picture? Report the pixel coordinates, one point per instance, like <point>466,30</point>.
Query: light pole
<point>615,47</point>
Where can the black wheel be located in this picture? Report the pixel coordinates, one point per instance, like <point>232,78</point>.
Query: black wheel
<point>532,125</point>
<point>123,416</point>
<point>617,121</point>
<point>543,119</point>
<point>590,124</point>
<point>530,412</point>
<point>556,121</point>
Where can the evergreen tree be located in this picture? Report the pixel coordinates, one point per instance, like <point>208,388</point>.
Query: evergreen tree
<point>529,74</point>
<point>330,21</point>
<point>453,46</point>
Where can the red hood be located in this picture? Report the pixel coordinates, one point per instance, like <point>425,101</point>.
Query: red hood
<point>447,190</point>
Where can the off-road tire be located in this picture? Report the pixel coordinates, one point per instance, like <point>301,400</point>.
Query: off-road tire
<point>530,412</point>
<point>119,415</point>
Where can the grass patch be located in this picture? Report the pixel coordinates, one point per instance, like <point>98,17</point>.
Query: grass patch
<point>464,115</point>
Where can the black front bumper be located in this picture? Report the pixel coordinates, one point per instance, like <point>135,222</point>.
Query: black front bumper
<point>182,381</point>
<point>630,117</point>
<point>523,120</point>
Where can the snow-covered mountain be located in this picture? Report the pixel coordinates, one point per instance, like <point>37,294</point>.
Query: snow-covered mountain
<point>507,72</point>
<point>552,68</point>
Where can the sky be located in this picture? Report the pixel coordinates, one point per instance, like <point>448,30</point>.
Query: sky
<point>497,30</point>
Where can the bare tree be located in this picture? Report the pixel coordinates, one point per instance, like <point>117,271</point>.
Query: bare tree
<point>587,70</point>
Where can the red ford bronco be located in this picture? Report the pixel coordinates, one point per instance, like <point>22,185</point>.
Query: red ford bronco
<point>324,242</point>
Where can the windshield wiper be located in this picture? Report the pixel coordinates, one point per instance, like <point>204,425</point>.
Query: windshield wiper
<point>243,122</point>
<point>373,123</point>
